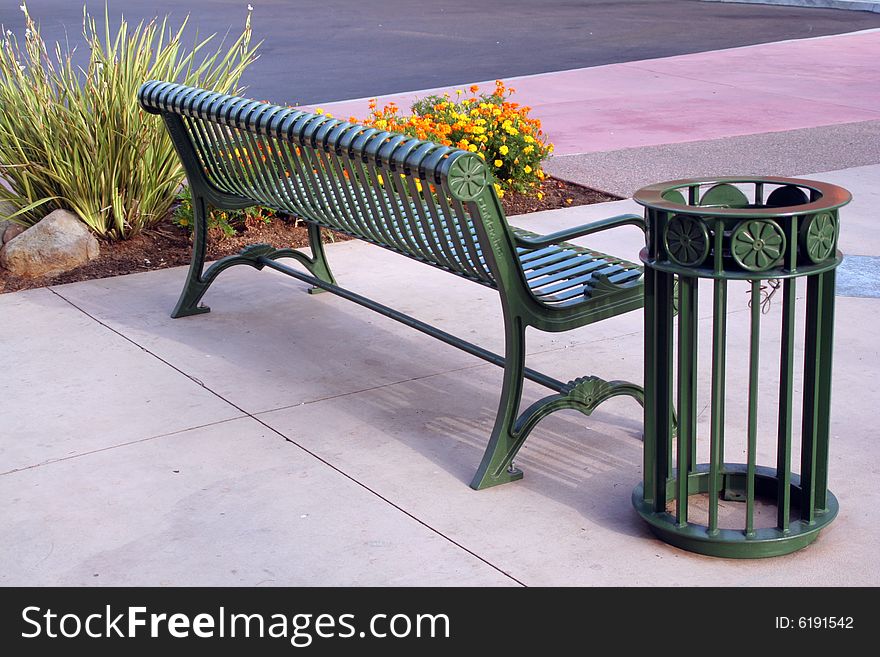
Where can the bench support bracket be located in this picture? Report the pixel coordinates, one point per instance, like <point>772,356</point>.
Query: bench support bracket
<point>198,279</point>
<point>511,428</point>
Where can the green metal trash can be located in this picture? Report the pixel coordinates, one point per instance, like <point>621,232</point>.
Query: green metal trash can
<point>761,232</point>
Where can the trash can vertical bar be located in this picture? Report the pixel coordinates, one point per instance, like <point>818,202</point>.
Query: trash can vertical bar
<point>719,361</point>
<point>752,447</point>
<point>661,354</point>
<point>750,230</point>
<point>649,470</point>
<point>687,391</point>
<point>823,421</point>
<point>810,417</point>
<point>786,384</point>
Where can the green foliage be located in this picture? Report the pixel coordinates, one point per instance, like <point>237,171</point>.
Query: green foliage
<point>228,221</point>
<point>77,139</point>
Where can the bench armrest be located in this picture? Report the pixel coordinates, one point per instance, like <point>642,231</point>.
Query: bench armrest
<point>580,231</point>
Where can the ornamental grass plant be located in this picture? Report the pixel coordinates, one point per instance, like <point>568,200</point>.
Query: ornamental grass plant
<point>489,124</point>
<point>77,139</point>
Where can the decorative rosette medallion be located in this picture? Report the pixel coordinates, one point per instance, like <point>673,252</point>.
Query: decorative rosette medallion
<point>467,177</point>
<point>820,236</point>
<point>686,240</point>
<point>757,245</point>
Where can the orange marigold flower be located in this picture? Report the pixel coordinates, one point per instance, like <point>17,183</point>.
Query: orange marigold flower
<point>474,88</point>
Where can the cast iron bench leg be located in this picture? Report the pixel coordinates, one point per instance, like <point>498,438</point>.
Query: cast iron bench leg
<point>195,287</point>
<point>197,282</point>
<point>511,429</point>
<point>319,266</point>
<point>497,465</point>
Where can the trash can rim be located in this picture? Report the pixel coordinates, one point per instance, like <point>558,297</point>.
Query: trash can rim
<point>831,197</point>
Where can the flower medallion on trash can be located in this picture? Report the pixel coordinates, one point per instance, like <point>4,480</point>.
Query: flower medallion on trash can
<point>757,245</point>
<point>467,177</point>
<point>821,234</point>
<point>687,240</point>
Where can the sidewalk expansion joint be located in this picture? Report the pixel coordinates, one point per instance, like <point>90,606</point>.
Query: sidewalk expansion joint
<point>124,444</point>
<point>294,443</point>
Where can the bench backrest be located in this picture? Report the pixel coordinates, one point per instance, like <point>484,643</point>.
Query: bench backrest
<point>430,202</point>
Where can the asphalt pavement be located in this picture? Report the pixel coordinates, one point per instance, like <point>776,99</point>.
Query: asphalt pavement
<point>319,51</point>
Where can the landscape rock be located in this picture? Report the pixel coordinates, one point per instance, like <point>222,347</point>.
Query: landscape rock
<point>10,231</point>
<point>58,243</point>
<point>6,209</point>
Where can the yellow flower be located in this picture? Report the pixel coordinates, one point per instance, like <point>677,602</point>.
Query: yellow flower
<point>540,195</point>
<point>527,169</point>
<point>498,163</point>
<point>472,148</point>
<point>503,150</point>
<point>418,185</point>
<point>529,139</point>
<point>482,155</point>
<point>379,177</point>
<point>318,110</point>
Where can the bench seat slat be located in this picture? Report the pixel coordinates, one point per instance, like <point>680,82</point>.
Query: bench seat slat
<point>586,265</point>
<point>527,256</point>
<point>581,282</point>
<point>554,258</point>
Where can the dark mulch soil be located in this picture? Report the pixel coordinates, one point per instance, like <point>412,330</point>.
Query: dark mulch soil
<point>169,246</point>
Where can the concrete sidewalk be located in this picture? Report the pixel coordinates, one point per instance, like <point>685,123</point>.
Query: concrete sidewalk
<point>299,440</point>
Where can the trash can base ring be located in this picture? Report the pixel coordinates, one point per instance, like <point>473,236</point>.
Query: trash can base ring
<point>733,543</point>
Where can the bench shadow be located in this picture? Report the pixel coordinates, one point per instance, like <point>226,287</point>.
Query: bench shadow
<point>589,464</point>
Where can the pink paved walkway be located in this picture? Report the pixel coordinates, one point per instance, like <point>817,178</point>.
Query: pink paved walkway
<point>764,88</point>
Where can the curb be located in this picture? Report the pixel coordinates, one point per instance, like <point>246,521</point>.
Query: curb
<point>852,5</point>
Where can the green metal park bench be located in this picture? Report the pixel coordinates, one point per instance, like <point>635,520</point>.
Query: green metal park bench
<point>432,203</point>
